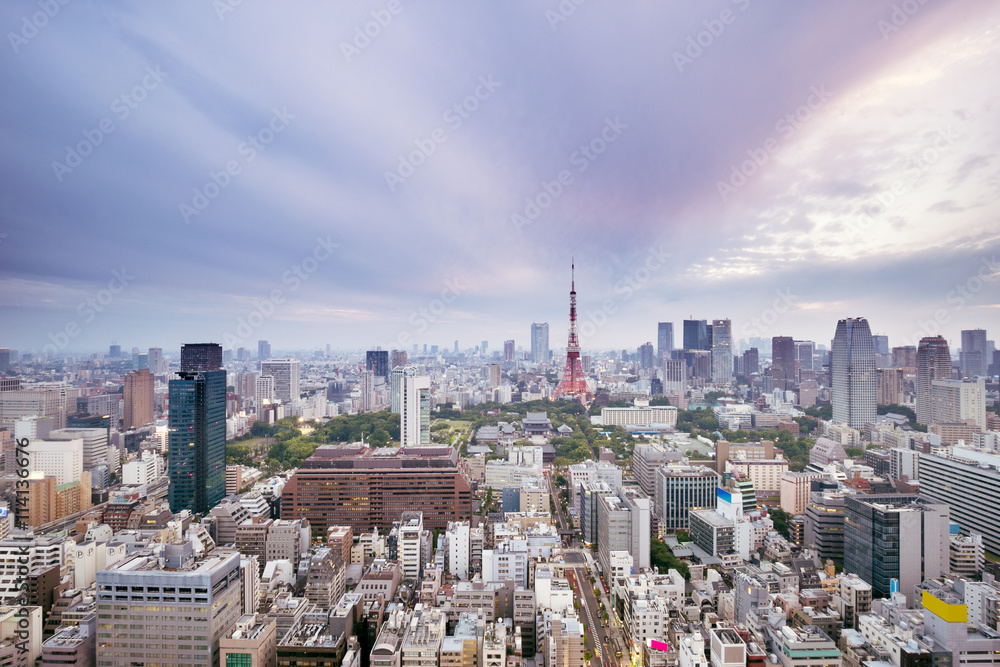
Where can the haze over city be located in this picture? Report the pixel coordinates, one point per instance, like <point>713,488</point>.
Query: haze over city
<point>699,161</point>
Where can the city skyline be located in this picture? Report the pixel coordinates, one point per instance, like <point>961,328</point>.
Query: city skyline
<point>232,184</point>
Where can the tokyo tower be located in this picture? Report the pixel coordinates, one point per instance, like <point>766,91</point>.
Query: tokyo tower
<point>573,384</point>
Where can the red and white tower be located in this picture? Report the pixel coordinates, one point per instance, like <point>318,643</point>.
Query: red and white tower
<point>573,384</point>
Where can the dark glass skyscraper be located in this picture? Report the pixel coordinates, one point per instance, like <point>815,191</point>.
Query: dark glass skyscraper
<point>377,361</point>
<point>197,440</point>
<point>197,357</point>
<point>696,335</point>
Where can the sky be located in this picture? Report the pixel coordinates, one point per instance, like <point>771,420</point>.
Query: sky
<point>397,172</point>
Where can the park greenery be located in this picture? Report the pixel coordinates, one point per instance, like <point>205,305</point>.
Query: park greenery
<point>781,520</point>
<point>662,557</point>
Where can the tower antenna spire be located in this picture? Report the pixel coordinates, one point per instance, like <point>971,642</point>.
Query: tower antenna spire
<point>573,384</point>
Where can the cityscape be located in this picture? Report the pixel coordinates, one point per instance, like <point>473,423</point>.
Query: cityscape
<point>568,334</point>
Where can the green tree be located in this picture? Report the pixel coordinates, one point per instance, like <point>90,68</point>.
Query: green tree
<point>781,520</point>
<point>662,557</point>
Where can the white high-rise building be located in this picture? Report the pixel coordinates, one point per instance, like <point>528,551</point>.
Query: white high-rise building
<point>95,443</point>
<point>409,533</point>
<point>367,390</point>
<point>286,378</point>
<point>459,549</point>
<point>722,351</point>
<point>954,401</point>
<point>396,376</point>
<point>855,379</point>
<point>60,458</point>
<point>265,393</point>
<point>674,375</point>
<point>415,412</point>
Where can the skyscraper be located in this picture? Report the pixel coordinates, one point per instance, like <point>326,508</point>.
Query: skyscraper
<point>664,339</point>
<point>286,378</point>
<point>540,343</point>
<point>722,351</point>
<point>974,357</point>
<point>397,358</point>
<point>508,350</point>
<point>263,350</point>
<point>933,363</point>
<point>855,381</point>
<point>155,361</point>
<point>378,361</point>
<point>783,362</point>
<point>4,359</point>
<point>138,399</point>
<point>396,386</point>
<point>696,335</point>
<point>366,387</point>
<point>647,357</point>
<point>415,412</point>
<point>883,356</point>
<point>115,351</point>
<point>197,440</point>
<point>196,357</point>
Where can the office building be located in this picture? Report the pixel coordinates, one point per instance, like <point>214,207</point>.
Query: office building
<point>286,378</point>
<point>508,351</point>
<point>415,412</point>
<point>5,360</point>
<point>495,375</point>
<point>646,458</point>
<point>681,489</point>
<point>968,482</point>
<point>169,612</point>
<point>883,356</point>
<point>959,401</point>
<point>623,525</point>
<point>824,524</point>
<point>263,350</point>
<point>974,355</point>
<point>933,363</point>
<point>805,352</point>
<point>396,376</point>
<point>674,376</point>
<point>642,414</point>
<point>138,395</point>
<point>587,507</point>
<point>252,643</point>
<point>783,362</point>
<point>540,353</point>
<point>366,391</point>
<point>196,440</point>
<point>95,443</point>
<point>722,352</point>
<point>696,335</point>
<point>647,356</point>
<point>664,340</point>
<point>751,361</point>
<point>263,393</point>
<point>53,401</point>
<point>377,361</point>
<point>362,487</point>
<point>890,386</point>
<point>905,357</point>
<point>795,489</point>
<point>409,533</point>
<point>895,537</point>
<point>854,390</point>
<point>62,459</point>
<point>712,533</point>
<point>157,365</point>
<point>197,357</point>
